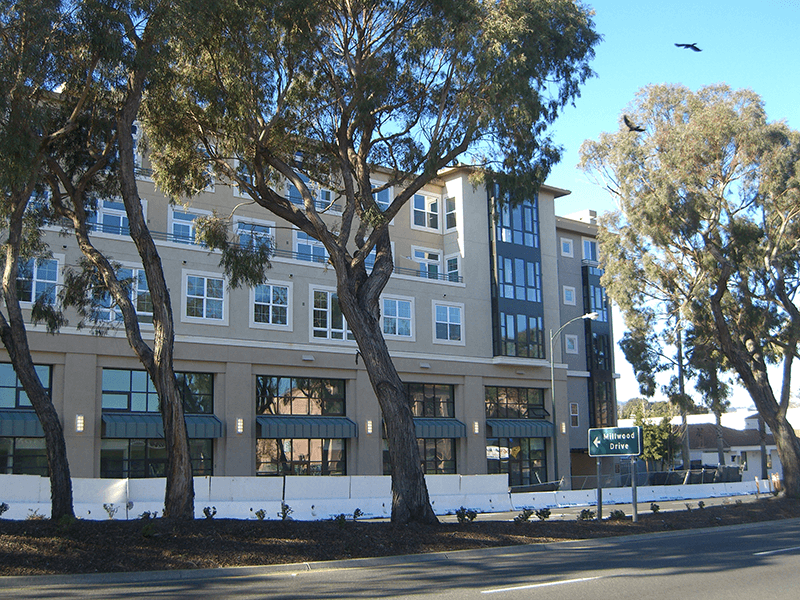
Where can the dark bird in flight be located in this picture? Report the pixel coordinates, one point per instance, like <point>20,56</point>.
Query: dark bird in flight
<point>631,126</point>
<point>689,47</point>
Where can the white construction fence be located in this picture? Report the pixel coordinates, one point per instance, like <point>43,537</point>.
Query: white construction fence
<point>319,498</point>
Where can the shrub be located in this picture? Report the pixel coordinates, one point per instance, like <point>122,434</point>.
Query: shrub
<point>261,514</point>
<point>66,523</point>
<point>357,514</point>
<point>524,516</point>
<point>654,507</point>
<point>147,515</point>
<point>701,504</point>
<point>616,515</point>
<point>587,514</point>
<point>3,508</point>
<point>543,514</point>
<point>148,530</point>
<point>110,509</point>
<point>340,520</point>
<point>285,511</point>
<point>210,511</point>
<point>466,515</point>
<point>34,515</point>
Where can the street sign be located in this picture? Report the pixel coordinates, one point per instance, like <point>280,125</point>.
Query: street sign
<point>615,441</point>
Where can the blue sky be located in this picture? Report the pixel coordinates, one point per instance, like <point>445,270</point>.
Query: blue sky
<point>745,44</point>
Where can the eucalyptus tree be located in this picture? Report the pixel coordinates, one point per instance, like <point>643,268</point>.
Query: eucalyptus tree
<point>98,160</point>
<point>35,39</point>
<point>708,216</point>
<point>363,97</point>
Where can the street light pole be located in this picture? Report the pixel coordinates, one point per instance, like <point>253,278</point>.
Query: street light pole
<point>553,336</point>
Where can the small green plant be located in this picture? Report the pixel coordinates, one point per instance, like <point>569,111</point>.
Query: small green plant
<point>357,514</point>
<point>701,504</point>
<point>3,508</point>
<point>524,516</point>
<point>66,523</point>
<point>34,515</point>
<point>340,520</point>
<point>110,509</point>
<point>616,515</point>
<point>261,514</point>
<point>466,515</point>
<point>655,508</point>
<point>210,511</point>
<point>543,514</point>
<point>147,515</point>
<point>148,530</point>
<point>739,502</point>
<point>285,511</point>
<point>587,514</point>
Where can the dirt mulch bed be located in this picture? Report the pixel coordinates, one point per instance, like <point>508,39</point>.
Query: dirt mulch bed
<point>43,547</point>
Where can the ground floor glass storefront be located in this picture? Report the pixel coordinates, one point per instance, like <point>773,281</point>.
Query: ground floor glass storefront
<point>23,456</point>
<point>523,459</point>
<point>438,456</point>
<point>141,458</point>
<point>298,456</point>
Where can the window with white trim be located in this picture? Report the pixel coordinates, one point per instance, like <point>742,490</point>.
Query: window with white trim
<point>569,295</point>
<point>270,305</point>
<point>397,317</point>
<point>450,221</point>
<point>253,235</point>
<point>182,226</point>
<point>452,268</point>
<point>383,198</point>
<point>323,197</point>
<point>589,249</point>
<point>327,319</point>
<point>428,261</point>
<point>571,343</point>
<point>109,217</point>
<point>204,297</point>
<point>425,212</point>
<point>566,247</point>
<point>309,249</point>
<point>448,323</point>
<point>37,280</point>
<point>244,174</point>
<point>139,293</point>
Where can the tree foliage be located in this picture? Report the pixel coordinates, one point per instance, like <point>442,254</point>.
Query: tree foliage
<point>707,227</point>
<point>361,98</point>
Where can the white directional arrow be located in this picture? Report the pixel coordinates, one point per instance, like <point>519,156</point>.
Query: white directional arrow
<point>596,442</point>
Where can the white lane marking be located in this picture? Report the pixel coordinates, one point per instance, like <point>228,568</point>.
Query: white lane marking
<point>539,585</point>
<point>778,551</point>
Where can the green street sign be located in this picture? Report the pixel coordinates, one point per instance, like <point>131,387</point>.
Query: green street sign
<point>615,441</point>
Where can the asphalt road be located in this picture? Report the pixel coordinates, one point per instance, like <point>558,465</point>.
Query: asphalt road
<point>748,561</point>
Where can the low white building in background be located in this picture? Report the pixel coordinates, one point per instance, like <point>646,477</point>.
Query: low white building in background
<point>741,441</point>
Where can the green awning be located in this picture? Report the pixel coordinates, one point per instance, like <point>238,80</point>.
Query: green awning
<point>20,423</point>
<point>143,425</point>
<point>284,427</point>
<point>439,428</point>
<point>523,428</point>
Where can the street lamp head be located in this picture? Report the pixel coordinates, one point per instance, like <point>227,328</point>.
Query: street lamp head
<point>592,316</point>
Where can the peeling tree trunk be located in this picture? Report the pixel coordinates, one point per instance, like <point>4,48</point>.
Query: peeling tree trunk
<point>15,340</point>
<point>410,499</point>
<point>179,496</point>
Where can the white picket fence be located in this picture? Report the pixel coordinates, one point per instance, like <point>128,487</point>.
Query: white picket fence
<point>318,498</point>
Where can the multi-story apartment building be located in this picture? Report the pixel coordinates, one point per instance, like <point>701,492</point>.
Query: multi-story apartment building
<point>271,375</point>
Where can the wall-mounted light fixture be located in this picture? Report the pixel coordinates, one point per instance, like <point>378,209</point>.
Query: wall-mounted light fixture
<point>563,427</point>
<point>369,427</point>
<point>476,428</point>
<point>240,426</point>
<point>80,423</point>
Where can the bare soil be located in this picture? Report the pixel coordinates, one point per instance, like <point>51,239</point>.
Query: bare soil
<point>40,547</point>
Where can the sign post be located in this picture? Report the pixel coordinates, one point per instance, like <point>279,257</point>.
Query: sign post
<point>616,441</point>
